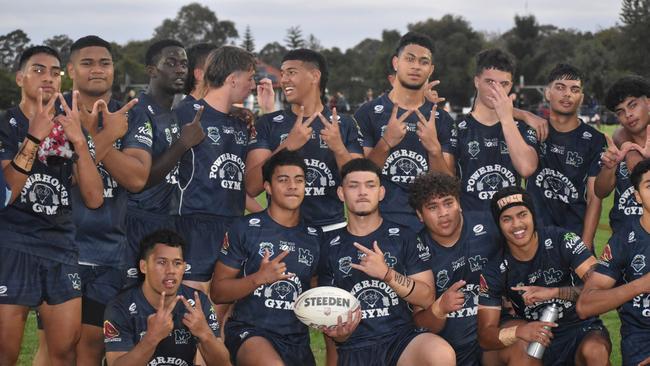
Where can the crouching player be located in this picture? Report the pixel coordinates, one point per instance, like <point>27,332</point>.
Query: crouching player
<point>540,266</point>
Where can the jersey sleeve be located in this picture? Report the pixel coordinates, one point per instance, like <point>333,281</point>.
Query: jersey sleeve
<point>140,132</point>
<point>529,135</point>
<point>413,255</point>
<point>210,314</point>
<point>595,164</point>
<point>261,138</point>
<point>573,250</point>
<point>492,282</point>
<point>118,331</point>
<point>351,137</point>
<point>446,132</point>
<point>8,139</point>
<point>613,259</point>
<point>5,192</point>
<point>362,116</point>
<point>233,253</point>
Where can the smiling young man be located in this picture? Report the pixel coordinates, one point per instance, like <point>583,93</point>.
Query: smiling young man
<point>494,151</point>
<point>457,246</point>
<point>325,140</point>
<point>403,132</point>
<point>42,157</point>
<point>621,280</point>
<point>563,185</point>
<point>148,325</point>
<point>538,268</point>
<point>267,260</point>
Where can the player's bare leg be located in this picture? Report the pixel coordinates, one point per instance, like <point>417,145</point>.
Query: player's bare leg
<point>62,325</point>
<point>258,351</point>
<point>515,354</point>
<point>12,324</point>
<point>594,350</point>
<point>90,349</point>
<point>427,349</point>
<point>41,358</point>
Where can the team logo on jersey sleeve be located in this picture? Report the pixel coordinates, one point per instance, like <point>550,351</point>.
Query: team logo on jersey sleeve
<point>379,108</point>
<point>318,178</point>
<point>144,134</point>
<point>423,250</point>
<point>483,285</point>
<point>489,179</point>
<point>111,334</point>
<point>229,170</point>
<point>44,193</point>
<point>402,166</point>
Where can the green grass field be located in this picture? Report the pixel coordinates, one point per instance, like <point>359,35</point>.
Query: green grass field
<point>611,319</point>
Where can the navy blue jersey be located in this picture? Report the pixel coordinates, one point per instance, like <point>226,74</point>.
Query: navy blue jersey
<point>624,260</point>
<point>101,233</point>
<point>5,192</point>
<point>270,307</point>
<point>39,221</point>
<point>160,198</point>
<point>126,323</point>
<point>383,312</point>
<point>211,174</point>
<point>321,205</point>
<point>409,158</point>
<point>625,209</point>
<point>483,161</point>
<point>478,243</point>
<point>558,254</point>
<point>559,186</point>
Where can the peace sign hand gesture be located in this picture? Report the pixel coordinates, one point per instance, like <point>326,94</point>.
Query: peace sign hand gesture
<point>331,133</point>
<point>161,323</point>
<point>194,319</point>
<point>42,123</point>
<point>301,131</point>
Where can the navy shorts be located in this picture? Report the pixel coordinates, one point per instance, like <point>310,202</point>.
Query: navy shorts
<point>566,341</point>
<point>384,352</point>
<point>204,236</point>
<point>635,347</point>
<point>293,352</point>
<point>468,354</point>
<point>99,284</point>
<point>138,225</point>
<point>29,280</point>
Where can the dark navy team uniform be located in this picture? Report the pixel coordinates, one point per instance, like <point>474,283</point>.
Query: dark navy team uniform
<point>321,206</point>
<point>268,311</point>
<point>405,161</point>
<point>5,192</point>
<point>126,322</point>
<point>210,186</point>
<point>478,243</point>
<point>559,186</point>
<point>39,255</point>
<point>151,209</point>
<point>483,161</point>
<point>624,260</point>
<point>558,254</point>
<point>625,209</point>
<point>387,326</point>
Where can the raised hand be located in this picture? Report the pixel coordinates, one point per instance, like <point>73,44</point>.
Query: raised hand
<point>431,94</point>
<point>161,323</point>
<point>453,298</point>
<point>116,123</point>
<point>501,101</point>
<point>372,263</point>
<point>243,114</point>
<point>301,131</point>
<point>341,330</point>
<point>536,332</point>
<point>396,127</point>
<point>613,155</point>
<point>331,132</point>
<point>194,319</point>
<point>71,121</point>
<point>535,294</point>
<point>272,270</point>
<point>192,133</point>
<point>266,96</point>
<point>42,122</point>
<point>90,119</point>
<point>427,131</point>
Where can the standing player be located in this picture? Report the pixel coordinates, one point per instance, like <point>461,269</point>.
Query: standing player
<point>457,247</point>
<point>493,149</point>
<point>211,174</point>
<point>381,264</point>
<point>326,140</point>
<point>41,157</point>
<point>122,146</point>
<point>563,185</point>
<point>195,87</point>
<point>629,99</point>
<point>147,325</point>
<point>411,142</point>
<point>621,280</point>
<point>538,268</point>
<point>267,260</point>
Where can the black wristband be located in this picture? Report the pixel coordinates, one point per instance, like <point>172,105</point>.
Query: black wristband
<point>33,139</point>
<point>19,169</point>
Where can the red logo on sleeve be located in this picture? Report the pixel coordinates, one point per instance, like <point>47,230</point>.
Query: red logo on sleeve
<point>607,254</point>
<point>110,331</point>
<point>483,286</point>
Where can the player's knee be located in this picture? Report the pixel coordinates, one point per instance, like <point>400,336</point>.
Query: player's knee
<point>595,351</point>
<point>8,357</point>
<point>439,352</point>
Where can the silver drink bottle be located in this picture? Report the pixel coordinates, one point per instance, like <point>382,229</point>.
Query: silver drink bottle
<point>550,314</point>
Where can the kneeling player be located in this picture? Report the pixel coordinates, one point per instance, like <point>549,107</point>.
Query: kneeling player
<point>267,260</point>
<point>147,326</point>
<point>380,263</point>
<point>623,262</point>
<point>538,269</point>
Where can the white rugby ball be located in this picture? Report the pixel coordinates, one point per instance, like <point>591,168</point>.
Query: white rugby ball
<point>321,306</point>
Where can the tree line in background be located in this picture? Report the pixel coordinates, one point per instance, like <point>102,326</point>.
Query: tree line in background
<point>603,56</point>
